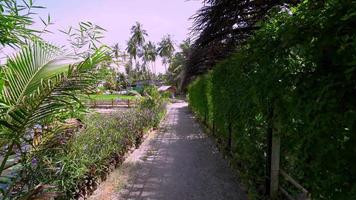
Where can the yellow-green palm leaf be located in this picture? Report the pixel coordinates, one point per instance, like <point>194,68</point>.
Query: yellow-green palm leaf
<point>36,83</point>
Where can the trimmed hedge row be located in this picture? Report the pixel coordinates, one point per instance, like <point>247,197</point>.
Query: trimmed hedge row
<point>296,77</point>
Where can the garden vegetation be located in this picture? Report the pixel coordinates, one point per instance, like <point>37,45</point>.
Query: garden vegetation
<point>78,161</point>
<point>294,77</point>
<point>51,145</point>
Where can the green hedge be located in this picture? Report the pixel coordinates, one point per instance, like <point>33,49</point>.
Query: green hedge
<point>298,71</point>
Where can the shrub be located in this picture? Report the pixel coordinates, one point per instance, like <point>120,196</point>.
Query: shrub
<point>297,71</point>
<point>71,163</point>
<point>154,102</point>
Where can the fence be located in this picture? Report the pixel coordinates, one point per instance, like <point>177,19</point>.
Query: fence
<point>113,103</point>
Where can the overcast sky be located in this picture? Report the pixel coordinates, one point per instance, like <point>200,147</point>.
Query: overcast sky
<point>159,17</point>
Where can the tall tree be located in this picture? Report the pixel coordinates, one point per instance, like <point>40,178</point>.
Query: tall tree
<point>177,68</point>
<point>136,41</point>
<point>116,54</point>
<point>166,50</point>
<point>150,54</point>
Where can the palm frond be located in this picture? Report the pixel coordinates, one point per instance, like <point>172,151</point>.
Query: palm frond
<point>24,72</point>
<point>38,83</point>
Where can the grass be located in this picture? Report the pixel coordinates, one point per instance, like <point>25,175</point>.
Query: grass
<point>111,96</point>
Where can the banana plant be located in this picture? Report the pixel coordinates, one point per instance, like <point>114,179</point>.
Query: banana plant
<point>35,84</point>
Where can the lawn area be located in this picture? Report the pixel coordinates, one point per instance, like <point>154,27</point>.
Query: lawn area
<point>111,96</point>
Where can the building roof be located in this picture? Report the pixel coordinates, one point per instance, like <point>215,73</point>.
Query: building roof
<point>165,87</point>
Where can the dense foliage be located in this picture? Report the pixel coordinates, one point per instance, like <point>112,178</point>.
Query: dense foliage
<point>42,154</point>
<point>220,26</point>
<point>296,75</point>
<point>155,102</point>
<point>15,18</point>
<point>77,161</point>
<point>178,64</point>
<point>37,84</point>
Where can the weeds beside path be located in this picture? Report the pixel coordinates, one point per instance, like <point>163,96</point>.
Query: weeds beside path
<point>177,162</point>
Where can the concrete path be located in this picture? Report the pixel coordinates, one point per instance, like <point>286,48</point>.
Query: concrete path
<point>179,162</point>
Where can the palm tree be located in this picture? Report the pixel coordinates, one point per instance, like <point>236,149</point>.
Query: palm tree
<point>137,41</point>
<point>150,54</point>
<point>166,50</point>
<point>39,82</point>
<point>116,53</point>
<point>177,69</point>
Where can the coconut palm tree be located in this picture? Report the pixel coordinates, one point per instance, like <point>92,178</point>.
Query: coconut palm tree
<point>177,67</point>
<point>36,84</point>
<point>136,41</point>
<point>166,50</point>
<point>150,54</point>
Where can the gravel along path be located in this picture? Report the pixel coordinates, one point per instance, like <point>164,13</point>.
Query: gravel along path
<point>178,162</point>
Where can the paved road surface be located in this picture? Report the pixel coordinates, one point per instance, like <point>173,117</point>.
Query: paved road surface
<point>177,163</point>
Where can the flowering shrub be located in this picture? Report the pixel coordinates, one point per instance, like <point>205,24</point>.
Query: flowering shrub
<point>73,167</point>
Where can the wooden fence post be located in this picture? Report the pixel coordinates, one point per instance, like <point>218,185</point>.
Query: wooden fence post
<point>205,119</point>
<point>112,102</point>
<point>128,103</point>
<point>229,141</point>
<point>213,126</point>
<point>269,149</point>
<point>275,157</point>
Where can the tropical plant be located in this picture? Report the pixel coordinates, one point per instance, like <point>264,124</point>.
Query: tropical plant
<point>149,55</point>
<point>176,70</point>
<point>85,157</point>
<point>154,102</point>
<point>166,50</point>
<point>85,39</point>
<point>136,41</point>
<point>15,18</point>
<point>107,75</point>
<point>122,80</point>
<point>117,56</point>
<point>37,83</point>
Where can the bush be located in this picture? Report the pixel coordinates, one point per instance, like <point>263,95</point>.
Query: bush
<point>154,102</point>
<point>74,163</point>
<point>297,71</point>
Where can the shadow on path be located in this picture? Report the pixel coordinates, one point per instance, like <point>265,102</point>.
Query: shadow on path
<point>180,162</point>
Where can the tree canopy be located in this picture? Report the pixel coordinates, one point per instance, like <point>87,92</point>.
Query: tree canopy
<point>221,25</point>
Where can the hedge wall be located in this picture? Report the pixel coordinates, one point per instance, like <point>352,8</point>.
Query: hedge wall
<point>298,72</point>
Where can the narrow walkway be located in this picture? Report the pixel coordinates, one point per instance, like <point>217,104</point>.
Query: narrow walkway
<point>177,163</point>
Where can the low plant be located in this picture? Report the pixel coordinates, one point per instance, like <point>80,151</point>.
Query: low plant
<point>154,102</point>
<point>71,163</point>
